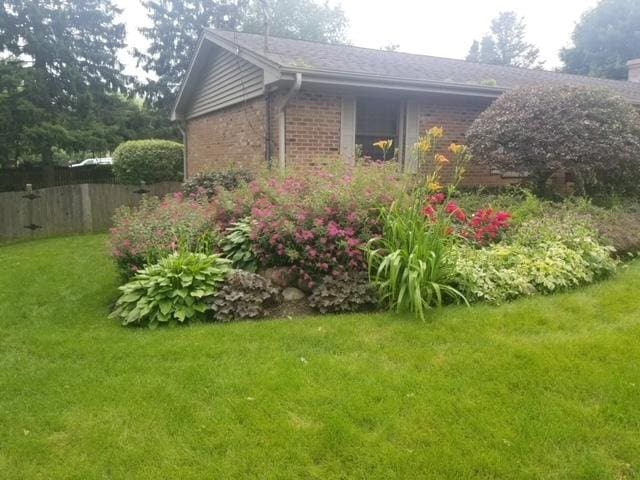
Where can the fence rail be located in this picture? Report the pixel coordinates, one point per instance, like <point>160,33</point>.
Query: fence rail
<point>14,179</point>
<point>69,209</point>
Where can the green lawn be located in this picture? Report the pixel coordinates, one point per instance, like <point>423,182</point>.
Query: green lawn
<point>542,388</point>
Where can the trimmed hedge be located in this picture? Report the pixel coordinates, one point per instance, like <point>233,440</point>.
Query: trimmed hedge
<point>148,161</point>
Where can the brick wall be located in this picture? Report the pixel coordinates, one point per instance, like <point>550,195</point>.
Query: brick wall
<point>456,116</point>
<point>230,138</point>
<point>313,128</point>
<point>235,137</point>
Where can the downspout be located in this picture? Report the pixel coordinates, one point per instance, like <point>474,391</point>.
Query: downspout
<point>182,126</point>
<point>267,128</point>
<point>281,120</point>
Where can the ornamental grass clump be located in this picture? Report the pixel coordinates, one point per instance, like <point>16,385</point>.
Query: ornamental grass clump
<point>173,290</point>
<point>409,263</point>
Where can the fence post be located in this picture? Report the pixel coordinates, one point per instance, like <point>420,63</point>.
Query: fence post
<point>32,227</point>
<point>85,205</point>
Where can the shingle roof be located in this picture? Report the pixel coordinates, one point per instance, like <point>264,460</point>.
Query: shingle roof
<point>348,59</point>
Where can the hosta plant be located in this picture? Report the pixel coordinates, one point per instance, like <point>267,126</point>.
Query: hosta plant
<point>236,245</point>
<point>243,295</point>
<point>408,263</point>
<point>172,290</point>
<point>351,292</point>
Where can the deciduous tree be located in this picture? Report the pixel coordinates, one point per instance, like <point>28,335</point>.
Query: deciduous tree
<point>604,40</point>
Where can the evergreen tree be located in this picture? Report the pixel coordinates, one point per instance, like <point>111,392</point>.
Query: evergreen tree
<point>15,110</point>
<point>67,69</point>
<point>506,44</point>
<point>474,52</point>
<point>177,24</point>
<point>604,40</point>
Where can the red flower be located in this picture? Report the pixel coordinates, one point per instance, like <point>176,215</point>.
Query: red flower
<point>437,199</point>
<point>453,210</point>
<point>430,212</point>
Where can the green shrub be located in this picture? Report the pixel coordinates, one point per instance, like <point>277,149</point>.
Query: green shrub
<point>408,264</point>
<point>591,132</point>
<point>236,245</point>
<point>209,183</point>
<point>243,295</point>
<point>347,293</point>
<point>148,161</point>
<point>546,255</point>
<point>172,290</point>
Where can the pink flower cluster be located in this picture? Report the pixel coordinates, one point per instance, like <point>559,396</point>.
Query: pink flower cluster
<point>313,242</point>
<point>158,227</point>
<point>317,224</point>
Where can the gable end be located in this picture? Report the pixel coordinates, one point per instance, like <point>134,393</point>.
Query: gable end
<point>226,80</point>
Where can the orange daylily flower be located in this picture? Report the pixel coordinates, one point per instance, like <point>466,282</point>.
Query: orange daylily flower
<point>441,159</point>
<point>457,149</point>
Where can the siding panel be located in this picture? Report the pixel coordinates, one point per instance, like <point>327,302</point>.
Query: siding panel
<point>227,80</point>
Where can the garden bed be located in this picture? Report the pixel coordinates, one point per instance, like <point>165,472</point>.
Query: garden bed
<point>355,238</point>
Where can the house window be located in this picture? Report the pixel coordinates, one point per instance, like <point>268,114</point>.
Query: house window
<point>377,119</point>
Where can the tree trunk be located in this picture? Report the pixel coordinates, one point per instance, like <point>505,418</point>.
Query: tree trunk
<point>580,185</point>
<point>541,179</point>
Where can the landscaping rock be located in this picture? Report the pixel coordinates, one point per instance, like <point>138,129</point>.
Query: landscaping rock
<point>291,294</point>
<point>279,276</point>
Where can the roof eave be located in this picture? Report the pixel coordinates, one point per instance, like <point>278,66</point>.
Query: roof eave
<point>329,78</point>
<point>175,113</point>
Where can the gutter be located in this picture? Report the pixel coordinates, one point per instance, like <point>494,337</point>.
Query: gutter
<point>331,78</point>
<point>280,112</point>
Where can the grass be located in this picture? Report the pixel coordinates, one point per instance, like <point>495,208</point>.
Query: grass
<point>541,388</point>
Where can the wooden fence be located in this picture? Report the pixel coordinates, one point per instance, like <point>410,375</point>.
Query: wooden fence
<point>69,209</point>
<point>14,179</point>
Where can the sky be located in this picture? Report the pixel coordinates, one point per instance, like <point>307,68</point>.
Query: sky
<point>443,28</point>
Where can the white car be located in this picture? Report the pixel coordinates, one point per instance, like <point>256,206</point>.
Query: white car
<point>94,161</point>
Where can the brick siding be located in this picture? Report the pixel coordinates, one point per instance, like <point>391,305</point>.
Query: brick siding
<point>456,116</point>
<point>313,128</point>
<point>230,138</point>
<point>235,137</point>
